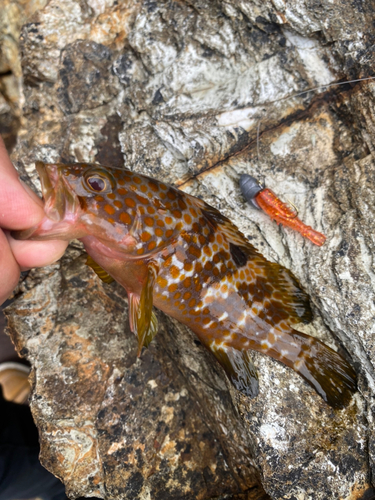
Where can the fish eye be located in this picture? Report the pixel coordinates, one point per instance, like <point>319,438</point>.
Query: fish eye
<point>99,180</point>
<point>96,183</point>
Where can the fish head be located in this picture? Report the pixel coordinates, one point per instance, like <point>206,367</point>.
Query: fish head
<point>124,210</point>
<point>78,202</point>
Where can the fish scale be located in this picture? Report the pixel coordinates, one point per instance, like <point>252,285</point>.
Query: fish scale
<point>172,250</point>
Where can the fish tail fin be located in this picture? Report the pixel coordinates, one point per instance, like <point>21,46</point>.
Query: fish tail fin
<point>331,375</point>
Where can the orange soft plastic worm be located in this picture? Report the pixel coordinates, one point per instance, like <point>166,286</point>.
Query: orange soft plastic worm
<point>279,211</point>
<point>282,214</point>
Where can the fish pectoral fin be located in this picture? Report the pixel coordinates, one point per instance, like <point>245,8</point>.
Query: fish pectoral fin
<point>103,275</point>
<point>239,369</point>
<point>143,321</point>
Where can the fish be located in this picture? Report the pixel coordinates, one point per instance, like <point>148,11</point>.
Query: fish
<point>173,251</point>
<point>266,199</point>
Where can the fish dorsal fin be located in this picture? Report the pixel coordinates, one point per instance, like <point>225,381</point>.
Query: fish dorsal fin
<point>103,275</point>
<point>271,277</point>
<point>143,321</point>
<point>238,367</point>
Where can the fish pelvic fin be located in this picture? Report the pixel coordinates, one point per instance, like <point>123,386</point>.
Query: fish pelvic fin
<point>143,321</point>
<point>103,275</point>
<point>239,368</point>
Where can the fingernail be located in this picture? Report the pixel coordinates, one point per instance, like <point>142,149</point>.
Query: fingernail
<point>31,193</point>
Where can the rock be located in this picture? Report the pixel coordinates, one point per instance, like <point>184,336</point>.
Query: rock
<point>113,425</point>
<point>178,91</point>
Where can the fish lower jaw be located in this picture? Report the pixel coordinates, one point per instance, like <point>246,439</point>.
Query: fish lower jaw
<point>94,247</point>
<point>48,229</point>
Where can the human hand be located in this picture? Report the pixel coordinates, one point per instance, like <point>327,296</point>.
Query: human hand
<point>20,208</point>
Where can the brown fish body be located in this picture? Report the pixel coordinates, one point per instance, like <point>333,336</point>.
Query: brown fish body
<point>171,250</point>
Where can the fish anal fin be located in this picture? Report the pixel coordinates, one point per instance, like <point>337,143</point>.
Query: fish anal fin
<point>103,275</point>
<point>239,368</point>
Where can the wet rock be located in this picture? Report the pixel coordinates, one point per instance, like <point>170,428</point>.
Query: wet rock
<point>178,91</point>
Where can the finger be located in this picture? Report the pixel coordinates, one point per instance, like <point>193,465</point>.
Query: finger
<point>30,254</point>
<point>9,269</point>
<point>20,208</point>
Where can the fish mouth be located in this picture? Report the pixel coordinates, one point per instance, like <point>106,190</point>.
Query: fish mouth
<point>60,201</point>
<point>61,205</point>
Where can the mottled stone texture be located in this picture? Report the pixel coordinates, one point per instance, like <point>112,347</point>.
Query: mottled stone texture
<point>177,90</point>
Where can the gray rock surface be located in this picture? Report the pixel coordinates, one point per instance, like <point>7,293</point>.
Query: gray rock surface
<point>177,90</point>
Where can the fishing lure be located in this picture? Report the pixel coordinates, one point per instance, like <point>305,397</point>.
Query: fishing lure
<point>172,250</point>
<point>265,199</point>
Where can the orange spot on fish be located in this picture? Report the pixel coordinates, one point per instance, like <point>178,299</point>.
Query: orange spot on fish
<point>142,199</point>
<point>188,266</point>
<point>168,261</point>
<point>149,221</point>
<point>175,272</point>
<point>145,236</point>
<point>152,245</point>
<point>130,202</point>
<point>187,219</point>
<point>208,266</point>
<point>197,252</point>
<point>125,218</point>
<point>109,209</point>
<point>117,204</point>
<point>198,267</point>
<point>207,250</point>
<point>122,191</point>
<point>187,282</point>
<point>182,204</point>
<point>153,186</point>
<point>162,282</point>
